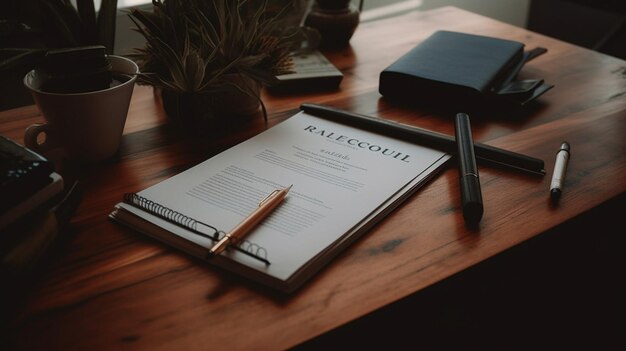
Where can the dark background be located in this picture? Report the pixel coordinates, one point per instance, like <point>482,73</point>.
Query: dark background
<point>563,289</point>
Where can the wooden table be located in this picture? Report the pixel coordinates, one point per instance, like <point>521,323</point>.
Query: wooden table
<point>110,288</point>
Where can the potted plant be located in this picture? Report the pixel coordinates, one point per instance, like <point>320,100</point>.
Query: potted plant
<point>28,28</point>
<point>336,21</point>
<point>209,59</point>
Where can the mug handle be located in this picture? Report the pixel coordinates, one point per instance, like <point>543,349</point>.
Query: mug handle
<point>32,133</point>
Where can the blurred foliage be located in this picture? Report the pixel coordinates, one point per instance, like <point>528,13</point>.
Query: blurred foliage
<point>193,46</point>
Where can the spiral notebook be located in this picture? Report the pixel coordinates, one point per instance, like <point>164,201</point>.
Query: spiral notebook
<point>344,180</point>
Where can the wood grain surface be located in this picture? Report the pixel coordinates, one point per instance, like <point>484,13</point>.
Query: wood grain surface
<point>109,288</point>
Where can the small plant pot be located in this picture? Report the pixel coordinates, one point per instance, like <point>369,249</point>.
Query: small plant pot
<point>336,23</point>
<point>206,114</point>
<point>333,4</point>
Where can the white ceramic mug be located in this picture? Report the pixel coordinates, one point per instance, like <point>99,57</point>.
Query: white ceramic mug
<point>89,126</point>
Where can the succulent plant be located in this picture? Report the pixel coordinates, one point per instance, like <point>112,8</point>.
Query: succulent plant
<point>196,46</point>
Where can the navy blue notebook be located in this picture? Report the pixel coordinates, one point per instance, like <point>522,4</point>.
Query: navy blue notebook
<point>462,69</point>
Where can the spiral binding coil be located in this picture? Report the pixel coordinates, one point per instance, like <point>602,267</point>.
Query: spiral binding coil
<point>244,246</point>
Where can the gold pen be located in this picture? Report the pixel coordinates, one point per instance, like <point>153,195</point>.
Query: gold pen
<point>265,208</point>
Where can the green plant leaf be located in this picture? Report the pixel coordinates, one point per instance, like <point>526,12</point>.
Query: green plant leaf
<point>192,45</point>
<point>87,14</point>
<point>64,20</point>
<point>106,23</point>
<point>13,59</point>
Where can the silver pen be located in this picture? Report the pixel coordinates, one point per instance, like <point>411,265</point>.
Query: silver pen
<point>560,167</point>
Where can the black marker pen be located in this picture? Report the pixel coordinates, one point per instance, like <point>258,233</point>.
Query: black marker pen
<point>471,198</point>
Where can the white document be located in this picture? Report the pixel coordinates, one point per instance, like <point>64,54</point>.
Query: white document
<point>343,178</point>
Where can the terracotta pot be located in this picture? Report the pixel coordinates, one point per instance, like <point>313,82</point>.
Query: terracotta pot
<point>332,4</point>
<point>216,112</point>
<point>335,23</point>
